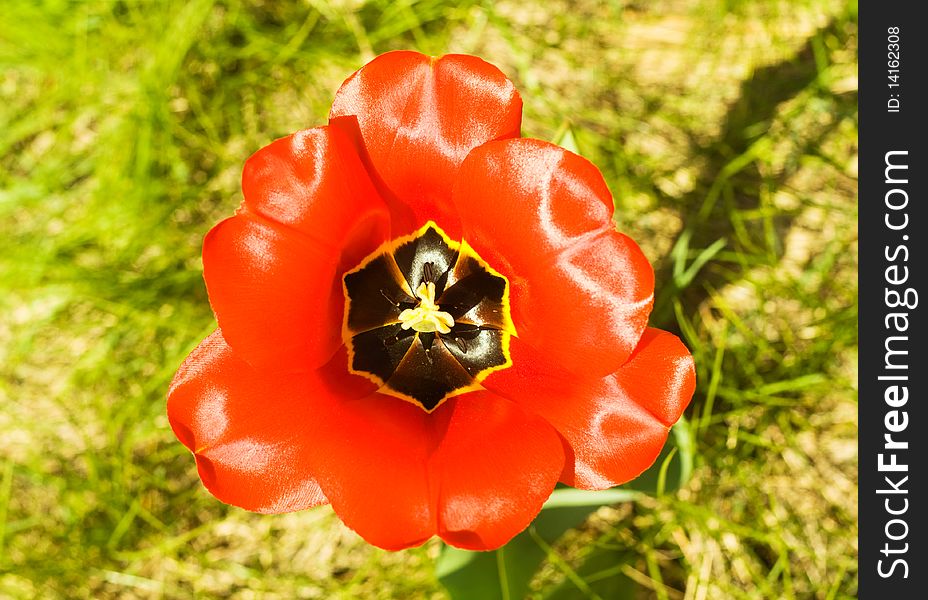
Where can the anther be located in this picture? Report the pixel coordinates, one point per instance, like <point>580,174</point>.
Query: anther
<point>428,272</point>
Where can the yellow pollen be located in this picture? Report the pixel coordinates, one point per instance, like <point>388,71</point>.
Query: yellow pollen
<point>426,317</point>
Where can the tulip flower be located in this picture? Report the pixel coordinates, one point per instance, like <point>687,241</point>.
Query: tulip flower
<point>425,320</point>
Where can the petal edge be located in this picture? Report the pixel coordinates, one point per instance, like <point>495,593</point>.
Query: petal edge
<point>616,425</point>
<point>248,448</point>
<point>415,118</point>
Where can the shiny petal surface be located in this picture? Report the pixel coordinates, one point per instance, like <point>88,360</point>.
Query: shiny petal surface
<point>314,182</point>
<point>615,425</point>
<point>246,428</point>
<point>276,294</point>
<point>272,272</point>
<point>494,467</point>
<point>371,464</point>
<point>542,216</point>
<point>416,118</point>
<point>475,471</point>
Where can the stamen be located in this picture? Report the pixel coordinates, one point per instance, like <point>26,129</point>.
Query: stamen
<point>389,299</point>
<point>428,272</point>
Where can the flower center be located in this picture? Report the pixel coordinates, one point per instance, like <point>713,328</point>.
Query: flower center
<point>426,318</point>
<point>438,341</point>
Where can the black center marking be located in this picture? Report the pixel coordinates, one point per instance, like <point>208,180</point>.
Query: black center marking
<point>427,368</point>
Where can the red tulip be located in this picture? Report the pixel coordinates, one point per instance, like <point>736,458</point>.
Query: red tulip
<point>425,320</point>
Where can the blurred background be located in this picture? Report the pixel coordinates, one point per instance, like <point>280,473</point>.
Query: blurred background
<point>726,129</point>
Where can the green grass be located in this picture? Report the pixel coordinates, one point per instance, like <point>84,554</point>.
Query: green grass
<point>727,131</point>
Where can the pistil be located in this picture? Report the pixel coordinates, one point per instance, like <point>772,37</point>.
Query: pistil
<point>427,316</point>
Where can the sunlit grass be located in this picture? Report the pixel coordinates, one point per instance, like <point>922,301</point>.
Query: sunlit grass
<point>726,130</point>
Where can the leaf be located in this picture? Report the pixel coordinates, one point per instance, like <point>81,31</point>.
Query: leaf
<point>699,262</point>
<point>505,574</point>
<point>564,137</point>
<point>602,572</point>
<point>564,497</point>
<point>684,274</point>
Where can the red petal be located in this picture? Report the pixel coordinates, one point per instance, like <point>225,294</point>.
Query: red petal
<point>272,272</point>
<point>542,216</point>
<point>615,426</point>
<point>371,463</point>
<point>493,469</point>
<point>313,181</point>
<point>476,470</point>
<point>245,429</point>
<point>660,375</point>
<point>276,295</point>
<point>417,118</point>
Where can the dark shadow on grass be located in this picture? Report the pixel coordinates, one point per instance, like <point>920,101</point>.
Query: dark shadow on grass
<point>748,119</point>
